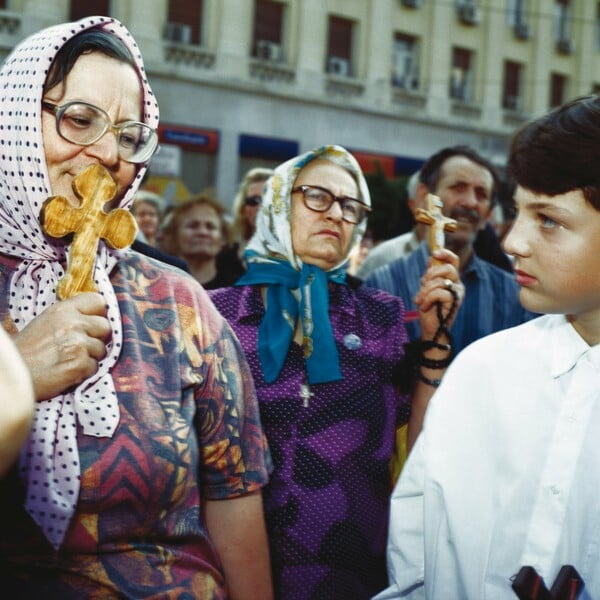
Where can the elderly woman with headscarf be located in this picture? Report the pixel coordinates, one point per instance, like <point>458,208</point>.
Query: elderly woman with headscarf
<point>326,355</point>
<point>142,472</point>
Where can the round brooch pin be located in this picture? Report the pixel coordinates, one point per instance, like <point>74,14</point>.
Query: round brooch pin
<point>352,341</point>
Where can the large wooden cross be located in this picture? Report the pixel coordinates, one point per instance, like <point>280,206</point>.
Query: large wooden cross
<point>88,223</point>
<point>437,222</point>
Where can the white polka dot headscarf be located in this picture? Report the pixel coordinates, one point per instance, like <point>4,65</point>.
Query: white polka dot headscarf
<point>50,461</point>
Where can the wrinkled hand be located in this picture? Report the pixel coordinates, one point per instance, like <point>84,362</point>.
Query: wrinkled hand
<point>441,273</point>
<point>62,346</point>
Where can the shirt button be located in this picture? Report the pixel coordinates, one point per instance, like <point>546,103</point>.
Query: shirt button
<point>555,491</point>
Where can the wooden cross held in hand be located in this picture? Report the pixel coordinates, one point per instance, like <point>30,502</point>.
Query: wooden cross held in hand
<point>438,223</point>
<point>88,223</point>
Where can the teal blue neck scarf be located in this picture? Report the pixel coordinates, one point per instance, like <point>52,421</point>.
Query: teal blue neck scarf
<point>283,308</point>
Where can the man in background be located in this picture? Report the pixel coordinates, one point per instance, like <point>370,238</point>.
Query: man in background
<point>467,184</point>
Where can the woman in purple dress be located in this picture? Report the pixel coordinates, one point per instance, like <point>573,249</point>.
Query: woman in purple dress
<point>325,354</point>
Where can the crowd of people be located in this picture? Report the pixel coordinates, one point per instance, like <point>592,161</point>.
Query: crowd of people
<point>158,440</point>
<point>197,234</point>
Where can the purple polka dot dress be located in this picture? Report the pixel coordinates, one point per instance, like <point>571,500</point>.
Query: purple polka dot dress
<point>327,500</point>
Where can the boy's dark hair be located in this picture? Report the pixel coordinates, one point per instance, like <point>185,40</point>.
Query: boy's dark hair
<point>560,151</point>
<point>431,170</point>
<point>90,40</point>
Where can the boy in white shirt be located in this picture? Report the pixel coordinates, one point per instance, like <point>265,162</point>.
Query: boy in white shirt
<point>506,471</point>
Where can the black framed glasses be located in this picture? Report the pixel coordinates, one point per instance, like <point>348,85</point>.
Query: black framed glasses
<point>84,124</point>
<point>320,199</point>
<point>253,200</point>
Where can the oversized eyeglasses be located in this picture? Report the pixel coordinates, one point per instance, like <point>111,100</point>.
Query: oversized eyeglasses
<point>84,124</point>
<point>252,200</point>
<point>321,199</point>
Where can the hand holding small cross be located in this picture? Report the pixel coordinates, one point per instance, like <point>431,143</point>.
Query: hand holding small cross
<point>437,222</point>
<point>88,223</point>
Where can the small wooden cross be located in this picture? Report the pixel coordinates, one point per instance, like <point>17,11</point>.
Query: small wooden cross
<point>437,222</point>
<point>88,223</point>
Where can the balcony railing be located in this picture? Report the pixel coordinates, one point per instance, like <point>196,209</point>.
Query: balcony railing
<point>271,71</point>
<point>189,55</point>
<point>343,86</point>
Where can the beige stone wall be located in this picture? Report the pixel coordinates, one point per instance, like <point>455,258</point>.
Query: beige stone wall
<point>220,86</point>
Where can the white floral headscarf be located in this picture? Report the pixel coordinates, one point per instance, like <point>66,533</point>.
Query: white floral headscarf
<point>24,186</point>
<point>273,234</point>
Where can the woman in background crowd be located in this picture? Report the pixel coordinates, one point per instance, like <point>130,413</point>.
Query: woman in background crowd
<point>198,233</point>
<point>147,208</point>
<point>246,205</point>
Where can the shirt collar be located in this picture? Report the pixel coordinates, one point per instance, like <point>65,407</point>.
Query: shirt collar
<point>567,346</point>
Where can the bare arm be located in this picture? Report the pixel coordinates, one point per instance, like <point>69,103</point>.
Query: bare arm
<point>237,528</point>
<point>16,402</point>
<point>442,268</point>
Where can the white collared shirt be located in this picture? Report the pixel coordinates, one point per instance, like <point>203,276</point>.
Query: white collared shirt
<point>506,472</point>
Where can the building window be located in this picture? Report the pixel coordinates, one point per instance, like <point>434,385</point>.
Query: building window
<point>405,62</point>
<point>184,21</point>
<point>461,74</point>
<point>268,30</point>
<point>558,86</point>
<point>517,17</point>
<point>562,20</point>
<point>339,46</point>
<point>88,8</point>
<point>511,87</point>
<point>516,13</point>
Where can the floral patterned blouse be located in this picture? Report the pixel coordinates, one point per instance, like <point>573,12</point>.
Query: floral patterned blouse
<point>189,430</point>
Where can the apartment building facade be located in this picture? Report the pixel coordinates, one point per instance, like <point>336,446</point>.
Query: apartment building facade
<point>244,83</point>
